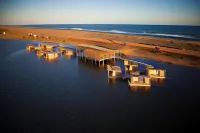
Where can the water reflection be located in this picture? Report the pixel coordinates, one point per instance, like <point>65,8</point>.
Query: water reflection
<point>51,60</point>
<point>143,89</point>
<point>112,80</point>
<point>68,57</point>
<point>158,81</point>
<point>29,50</point>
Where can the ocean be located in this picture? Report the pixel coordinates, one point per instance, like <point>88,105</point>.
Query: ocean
<point>191,33</point>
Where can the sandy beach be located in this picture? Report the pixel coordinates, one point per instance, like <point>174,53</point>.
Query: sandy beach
<point>179,52</point>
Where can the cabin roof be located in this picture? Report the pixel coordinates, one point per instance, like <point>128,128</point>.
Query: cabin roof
<point>34,43</point>
<point>141,76</point>
<point>49,52</point>
<point>50,44</point>
<point>97,48</point>
<point>44,43</point>
<point>67,46</point>
<point>99,51</point>
<point>157,69</point>
<point>115,67</point>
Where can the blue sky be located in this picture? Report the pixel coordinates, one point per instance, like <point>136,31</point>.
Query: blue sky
<point>170,12</point>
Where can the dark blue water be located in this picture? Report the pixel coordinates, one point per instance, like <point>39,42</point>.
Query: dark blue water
<point>163,31</point>
<point>70,95</point>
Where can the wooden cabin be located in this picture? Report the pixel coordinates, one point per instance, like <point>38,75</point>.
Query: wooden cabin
<point>149,67</point>
<point>129,65</point>
<point>135,73</point>
<point>98,55</point>
<point>50,55</point>
<point>156,73</point>
<point>113,71</point>
<point>48,46</point>
<point>95,53</point>
<point>126,62</point>
<point>140,80</point>
<point>30,47</point>
<point>67,51</point>
<point>34,46</point>
<point>39,53</point>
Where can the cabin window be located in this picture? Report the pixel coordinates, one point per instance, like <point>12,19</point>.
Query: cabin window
<point>147,81</point>
<point>134,79</point>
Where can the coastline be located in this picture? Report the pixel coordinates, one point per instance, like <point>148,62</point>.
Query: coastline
<point>179,52</point>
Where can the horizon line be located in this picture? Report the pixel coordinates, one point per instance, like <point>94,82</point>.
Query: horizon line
<point>95,24</point>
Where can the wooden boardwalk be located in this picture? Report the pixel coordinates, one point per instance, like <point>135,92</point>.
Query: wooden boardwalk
<point>130,60</point>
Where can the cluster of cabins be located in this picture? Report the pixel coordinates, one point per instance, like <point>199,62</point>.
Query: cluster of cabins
<point>49,51</point>
<point>98,55</point>
<point>136,78</point>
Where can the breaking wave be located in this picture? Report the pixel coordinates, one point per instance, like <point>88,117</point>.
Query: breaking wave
<point>134,33</point>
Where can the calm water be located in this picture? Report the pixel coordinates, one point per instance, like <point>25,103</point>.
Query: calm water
<point>73,96</point>
<point>163,31</point>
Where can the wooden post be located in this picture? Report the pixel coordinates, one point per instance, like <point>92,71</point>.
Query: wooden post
<point>114,58</point>
<point>79,52</point>
<point>85,56</point>
<point>95,57</point>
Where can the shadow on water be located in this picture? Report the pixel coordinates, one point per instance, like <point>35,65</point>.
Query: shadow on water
<point>140,89</point>
<point>158,81</point>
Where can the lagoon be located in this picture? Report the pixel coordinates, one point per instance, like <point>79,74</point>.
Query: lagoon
<point>70,95</point>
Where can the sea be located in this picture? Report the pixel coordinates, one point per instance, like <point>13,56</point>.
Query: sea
<point>191,33</point>
<point>70,95</point>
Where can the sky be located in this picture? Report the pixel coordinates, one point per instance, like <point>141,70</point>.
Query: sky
<point>161,12</point>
